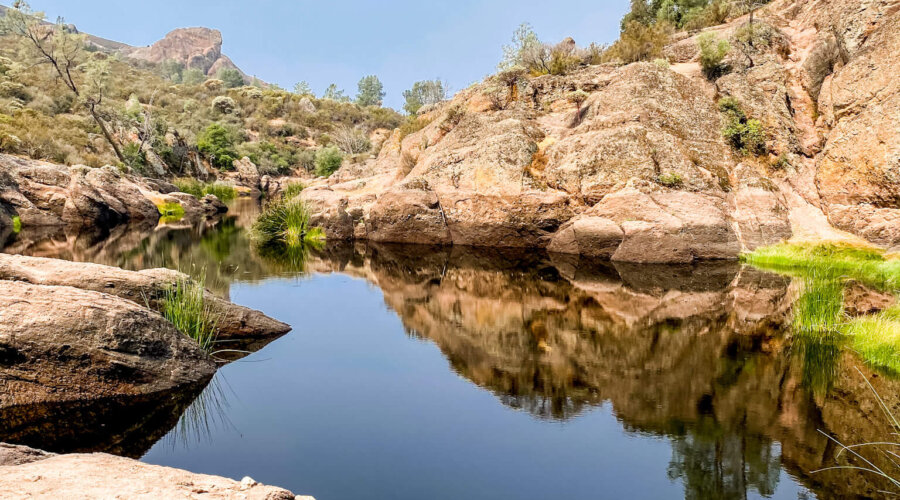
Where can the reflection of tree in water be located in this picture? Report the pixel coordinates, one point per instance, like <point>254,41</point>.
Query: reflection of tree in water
<point>714,463</point>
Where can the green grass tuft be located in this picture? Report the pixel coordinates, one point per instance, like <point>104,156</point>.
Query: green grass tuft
<point>17,224</point>
<point>170,212</point>
<point>286,222</point>
<point>224,192</point>
<point>184,305</point>
<point>292,190</point>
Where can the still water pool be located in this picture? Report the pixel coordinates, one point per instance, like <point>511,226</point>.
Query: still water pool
<point>435,373</point>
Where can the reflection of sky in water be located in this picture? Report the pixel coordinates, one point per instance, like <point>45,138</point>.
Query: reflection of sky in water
<point>348,406</point>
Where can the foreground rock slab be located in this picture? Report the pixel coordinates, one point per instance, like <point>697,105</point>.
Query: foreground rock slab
<point>61,343</point>
<point>27,473</point>
<point>141,287</point>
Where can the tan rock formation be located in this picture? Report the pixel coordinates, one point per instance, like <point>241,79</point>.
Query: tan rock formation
<point>140,287</point>
<point>199,48</point>
<point>65,344</point>
<point>27,473</point>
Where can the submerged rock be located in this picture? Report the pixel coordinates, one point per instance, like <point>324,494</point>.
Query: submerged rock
<point>141,287</point>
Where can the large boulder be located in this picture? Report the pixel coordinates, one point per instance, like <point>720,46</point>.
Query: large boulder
<point>140,287</point>
<point>61,344</point>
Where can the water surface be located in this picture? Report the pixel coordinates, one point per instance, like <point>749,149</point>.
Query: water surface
<point>482,374</point>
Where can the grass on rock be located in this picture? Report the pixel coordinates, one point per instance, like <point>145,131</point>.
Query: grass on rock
<point>819,312</point>
<point>224,192</point>
<point>16,224</point>
<point>170,212</point>
<point>184,305</point>
<point>292,190</point>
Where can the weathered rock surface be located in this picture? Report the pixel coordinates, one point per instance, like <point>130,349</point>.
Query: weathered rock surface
<point>60,344</point>
<point>197,48</point>
<point>47,194</point>
<point>140,287</point>
<point>639,172</point>
<point>27,473</point>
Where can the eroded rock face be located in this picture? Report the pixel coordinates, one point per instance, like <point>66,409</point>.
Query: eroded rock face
<point>34,474</point>
<point>44,194</point>
<point>140,287</point>
<point>199,48</point>
<point>637,172</point>
<point>62,344</point>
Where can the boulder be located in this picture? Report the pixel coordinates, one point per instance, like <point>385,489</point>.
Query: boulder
<point>59,344</point>
<point>140,287</point>
<point>408,216</point>
<point>247,174</point>
<point>41,475</point>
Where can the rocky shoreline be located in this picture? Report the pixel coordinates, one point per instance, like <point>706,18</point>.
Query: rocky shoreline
<point>29,473</point>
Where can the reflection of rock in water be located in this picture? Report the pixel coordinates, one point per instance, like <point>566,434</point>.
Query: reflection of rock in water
<point>124,426</point>
<point>700,354</point>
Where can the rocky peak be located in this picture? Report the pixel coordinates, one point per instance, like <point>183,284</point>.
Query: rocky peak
<point>199,48</point>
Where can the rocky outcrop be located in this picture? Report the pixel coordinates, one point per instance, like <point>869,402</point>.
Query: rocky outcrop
<point>61,344</point>
<point>636,168</point>
<point>638,172</point>
<point>46,194</point>
<point>196,48</point>
<point>28,473</point>
<point>140,287</point>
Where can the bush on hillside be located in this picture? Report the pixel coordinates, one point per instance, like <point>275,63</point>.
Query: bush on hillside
<point>640,43</point>
<point>744,134</point>
<point>328,161</point>
<point>712,55</point>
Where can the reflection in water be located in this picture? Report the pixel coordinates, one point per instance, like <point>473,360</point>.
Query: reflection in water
<point>207,413</point>
<point>701,355</point>
<point>126,427</point>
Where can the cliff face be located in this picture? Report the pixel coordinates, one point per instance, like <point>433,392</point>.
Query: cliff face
<point>638,170</point>
<point>198,48</point>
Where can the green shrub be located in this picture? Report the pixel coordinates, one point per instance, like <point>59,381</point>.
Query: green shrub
<point>307,159</point>
<point>661,63</point>
<point>231,77</point>
<point>286,222</point>
<point>193,76</point>
<point>217,143</point>
<point>223,104</point>
<point>328,161</point>
<point>184,305</point>
<point>671,180</point>
<point>640,43</point>
<point>712,53</point>
<point>744,134</point>
<point>16,224</point>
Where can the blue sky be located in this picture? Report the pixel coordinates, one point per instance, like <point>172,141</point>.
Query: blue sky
<point>340,41</point>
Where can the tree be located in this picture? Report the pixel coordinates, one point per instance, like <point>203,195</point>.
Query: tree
<point>64,52</point>
<point>424,93</point>
<point>303,88</point>
<point>231,77</point>
<point>193,76</point>
<point>217,143</point>
<point>525,47</point>
<point>371,91</point>
<point>172,70</point>
<point>335,94</point>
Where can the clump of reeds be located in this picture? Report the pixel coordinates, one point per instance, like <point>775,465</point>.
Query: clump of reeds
<point>292,190</point>
<point>184,305</point>
<point>286,223</point>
